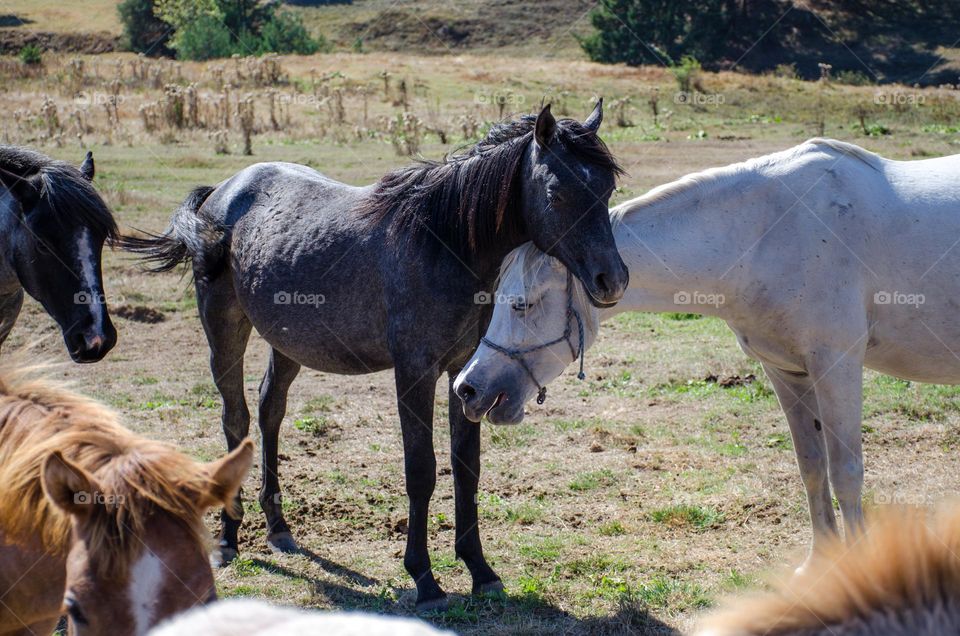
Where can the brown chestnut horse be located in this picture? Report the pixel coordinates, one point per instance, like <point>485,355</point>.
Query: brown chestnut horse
<point>901,578</point>
<point>96,521</point>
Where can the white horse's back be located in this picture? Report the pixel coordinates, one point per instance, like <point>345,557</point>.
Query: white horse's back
<point>830,242</point>
<point>248,617</point>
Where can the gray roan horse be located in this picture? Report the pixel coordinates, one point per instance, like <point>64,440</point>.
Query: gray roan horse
<point>52,228</point>
<point>354,280</point>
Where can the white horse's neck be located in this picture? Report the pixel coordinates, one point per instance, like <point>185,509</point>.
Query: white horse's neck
<point>682,243</point>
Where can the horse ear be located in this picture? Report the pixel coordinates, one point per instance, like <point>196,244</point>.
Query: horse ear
<point>225,476</point>
<point>87,169</point>
<point>69,487</point>
<point>545,127</point>
<point>593,121</point>
<point>26,190</point>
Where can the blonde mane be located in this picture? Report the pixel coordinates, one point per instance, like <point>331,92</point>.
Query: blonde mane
<point>139,477</point>
<point>903,577</point>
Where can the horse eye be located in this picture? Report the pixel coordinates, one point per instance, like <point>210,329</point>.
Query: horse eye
<point>42,247</point>
<point>73,611</point>
<point>520,305</point>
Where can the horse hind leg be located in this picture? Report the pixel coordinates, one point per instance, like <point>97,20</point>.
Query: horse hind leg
<point>10,305</point>
<point>838,377</point>
<point>280,374</point>
<point>799,403</point>
<point>228,331</point>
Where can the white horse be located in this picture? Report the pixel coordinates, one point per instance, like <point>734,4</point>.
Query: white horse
<point>822,259</point>
<point>250,617</point>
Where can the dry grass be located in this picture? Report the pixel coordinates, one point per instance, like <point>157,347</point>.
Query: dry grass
<point>627,502</point>
<point>60,16</point>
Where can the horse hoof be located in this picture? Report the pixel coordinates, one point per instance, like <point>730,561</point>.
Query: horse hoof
<point>282,543</point>
<point>439,604</point>
<point>494,588</point>
<point>222,556</point>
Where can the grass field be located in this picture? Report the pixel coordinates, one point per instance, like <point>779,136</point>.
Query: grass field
<point>629,502</point>
<point>51,15</point>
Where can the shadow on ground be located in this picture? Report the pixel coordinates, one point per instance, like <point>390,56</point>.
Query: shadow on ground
<point>494,614</point>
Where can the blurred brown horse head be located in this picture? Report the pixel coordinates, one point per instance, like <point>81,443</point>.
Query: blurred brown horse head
<point>96,521</point>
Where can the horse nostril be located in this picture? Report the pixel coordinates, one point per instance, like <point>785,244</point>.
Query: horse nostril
<point>465,391</point>
<point>602,283</point>
<point>77,341</point>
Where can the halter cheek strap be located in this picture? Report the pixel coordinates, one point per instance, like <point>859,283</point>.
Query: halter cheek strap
<point>517,355</point>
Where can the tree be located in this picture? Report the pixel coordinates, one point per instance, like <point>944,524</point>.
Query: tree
<point>663,31</point>
<point>637,31</point>
<point>143,31</point>
<point>218,28</point>
<point>286,33</point>
<point>898,38</point>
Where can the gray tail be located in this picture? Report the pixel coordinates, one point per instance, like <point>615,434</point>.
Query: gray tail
<point>190,238</point>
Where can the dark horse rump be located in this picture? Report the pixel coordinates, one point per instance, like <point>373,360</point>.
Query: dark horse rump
<point>344,279</point>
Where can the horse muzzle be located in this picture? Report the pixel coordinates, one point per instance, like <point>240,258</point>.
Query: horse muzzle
<point>90,346</point>
<point>606,288</point>
<point>497,405</point>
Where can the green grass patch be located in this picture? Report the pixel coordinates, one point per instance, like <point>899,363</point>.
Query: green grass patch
<point>593,480</point>
<point>316,426</point>
<point>542,550</point>
<point>662,592</point>
<point>699,518</point>
<point>512,436</point>
<point>611,529</point>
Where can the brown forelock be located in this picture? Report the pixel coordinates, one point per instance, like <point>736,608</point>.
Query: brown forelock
<point>138,477</point>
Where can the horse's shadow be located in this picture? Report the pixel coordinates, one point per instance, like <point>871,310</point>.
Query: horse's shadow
<point>336,569</point>
<point>493,614</point>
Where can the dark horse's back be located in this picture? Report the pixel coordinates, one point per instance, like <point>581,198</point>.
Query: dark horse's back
<point>302,265</point>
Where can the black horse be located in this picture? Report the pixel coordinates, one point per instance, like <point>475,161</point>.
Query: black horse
<point>354,280</point>
<point>53,225</point>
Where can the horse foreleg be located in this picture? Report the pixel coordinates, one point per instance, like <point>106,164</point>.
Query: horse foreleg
<point>465,462</point>
<point>10,305</point>
<point>227,330</point>
<point>280,374</point>
<point>799,403</point>
<point>415,393</point>
<point>838,382</point>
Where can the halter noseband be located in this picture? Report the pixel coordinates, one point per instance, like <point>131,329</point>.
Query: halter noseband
<point>517,354</point>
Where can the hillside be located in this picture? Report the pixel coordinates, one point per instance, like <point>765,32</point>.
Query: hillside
<point>883,44</point>
<point>546,28</point>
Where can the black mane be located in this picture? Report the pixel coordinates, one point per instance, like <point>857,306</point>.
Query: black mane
<point>65,193</point>
<point>466,199</point>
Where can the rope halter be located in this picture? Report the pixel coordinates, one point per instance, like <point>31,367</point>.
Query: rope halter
<point>517,355</point>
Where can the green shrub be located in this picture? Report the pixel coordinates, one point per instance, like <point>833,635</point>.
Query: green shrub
<point>286,33</point>
<point>31,55</point>
<point>687,73</point>
<point>206,38</point>
<point>221,28</point>
<point>617,23</point>
<point>853,78</point>
<point>143,31</point>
